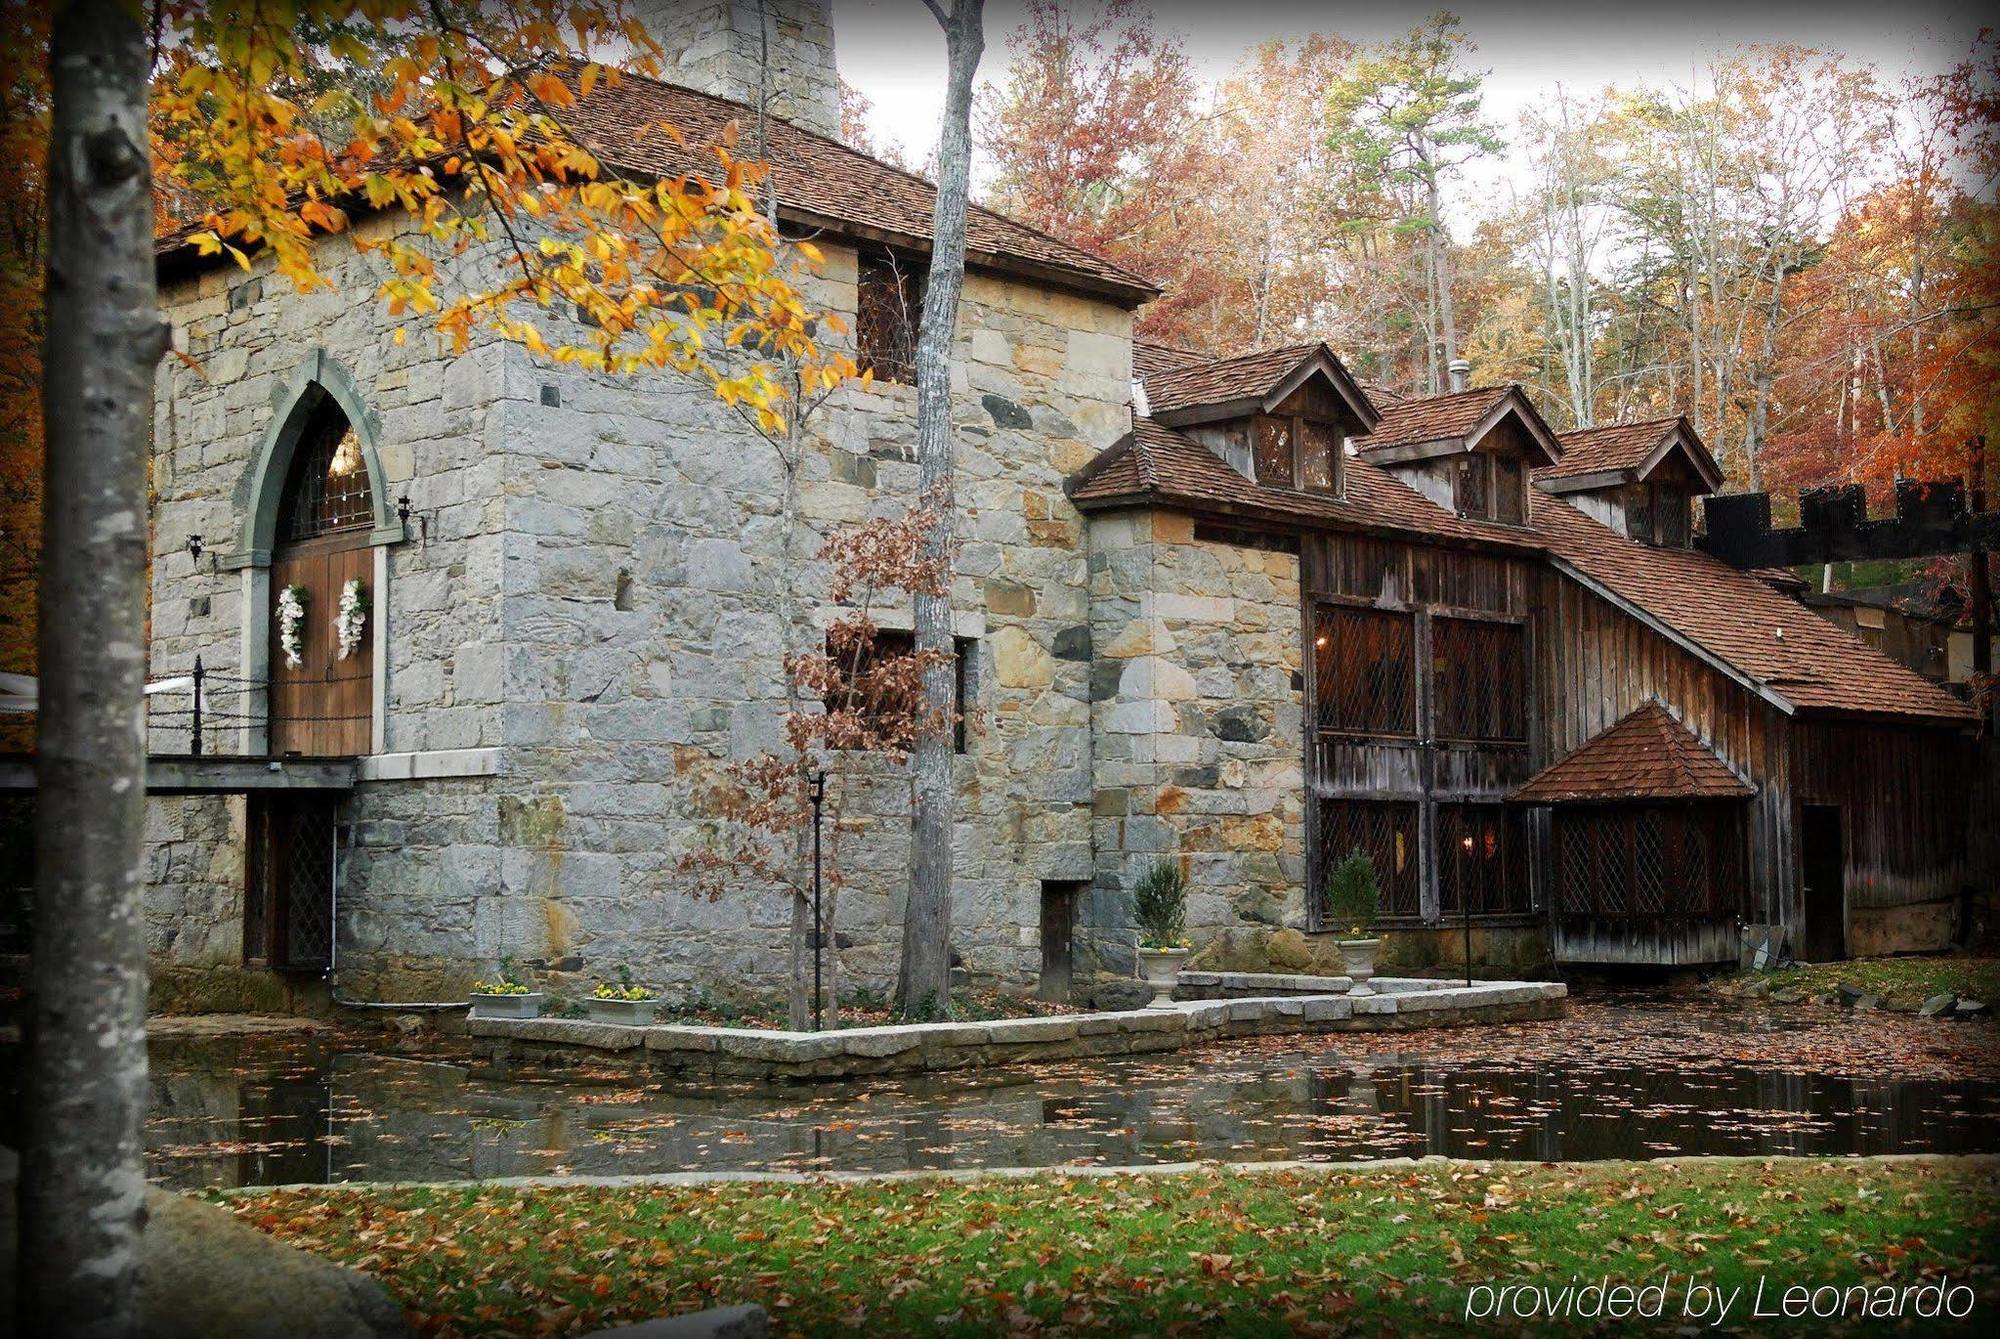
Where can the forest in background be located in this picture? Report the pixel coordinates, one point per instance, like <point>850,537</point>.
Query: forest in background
<point>1797,252</point>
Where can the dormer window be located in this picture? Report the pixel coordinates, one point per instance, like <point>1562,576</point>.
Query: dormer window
<point>1490,486</point>
<point>1293,451</point>
<point>1659,514</point>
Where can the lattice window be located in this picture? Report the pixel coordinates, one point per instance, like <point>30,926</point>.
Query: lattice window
<point>1470,491</point>
<point>1639,512</point>
<point>1510,496</point>
<point>1672,520</point>
<point>1648,861</point>
<point>1482,858</point>
<point>1319,456</point>
<point>1383,830</point>
<point>308,877</point>
<point>1275,449</point>
<point>1364,663</point>
<point>1575,867</point>
<point>1479,679</point>
<point>889,300</point>
<point>326,489</point>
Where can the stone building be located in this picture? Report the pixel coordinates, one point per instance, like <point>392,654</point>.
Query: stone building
<point>1245,613</point>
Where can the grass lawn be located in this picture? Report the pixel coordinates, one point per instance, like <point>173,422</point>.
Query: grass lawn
<point>1380,1250</point>
<point>1903,983</point>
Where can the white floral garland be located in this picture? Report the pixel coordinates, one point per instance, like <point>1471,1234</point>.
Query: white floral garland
<point>292,601</point>
<point>352,617</point>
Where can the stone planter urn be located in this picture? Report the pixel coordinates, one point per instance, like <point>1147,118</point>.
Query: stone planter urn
<point>1160,968</point>
<point>507,1006</point>
<point>637,1013</point>
<point>1357,957</point>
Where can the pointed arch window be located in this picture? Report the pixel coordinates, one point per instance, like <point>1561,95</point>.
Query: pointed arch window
<point>327,489</point>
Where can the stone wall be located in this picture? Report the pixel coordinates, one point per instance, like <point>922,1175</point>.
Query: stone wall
<point>1198,705</point>
<point>597,586</point>
<point>654,580</point>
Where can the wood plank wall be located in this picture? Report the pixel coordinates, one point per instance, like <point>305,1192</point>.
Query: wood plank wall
<point>1903,795</point>
<point>1595,664</point>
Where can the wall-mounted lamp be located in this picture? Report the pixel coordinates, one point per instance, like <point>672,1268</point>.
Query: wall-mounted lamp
<point>403,514</point>
<point>195,549</point>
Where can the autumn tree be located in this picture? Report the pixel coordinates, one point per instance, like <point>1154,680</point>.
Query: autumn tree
<point>1098,134</point>
<point>1403,120</point>
<point>923,981</point>
<point>855,707</point>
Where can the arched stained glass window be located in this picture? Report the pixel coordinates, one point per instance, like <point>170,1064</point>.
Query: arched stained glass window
<point>327,488</point>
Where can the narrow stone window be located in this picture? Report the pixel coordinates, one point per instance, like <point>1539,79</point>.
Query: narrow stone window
<point>889,299</point>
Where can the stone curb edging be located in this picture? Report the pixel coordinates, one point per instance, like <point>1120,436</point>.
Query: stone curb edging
<point>751,1053</point>
<point>669,1180</point>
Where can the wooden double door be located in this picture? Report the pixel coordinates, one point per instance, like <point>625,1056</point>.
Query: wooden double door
<point>323,707</point>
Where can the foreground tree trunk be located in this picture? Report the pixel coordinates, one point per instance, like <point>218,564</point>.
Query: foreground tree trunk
<point>924,983</point>
<point>82,1193</point>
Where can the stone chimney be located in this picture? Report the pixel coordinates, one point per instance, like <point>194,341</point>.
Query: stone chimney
<point>1461,372</point>
<point>778,52</point>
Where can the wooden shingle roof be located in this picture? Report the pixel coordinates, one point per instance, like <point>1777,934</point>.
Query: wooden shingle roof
<point>1763,638</point>
<point>819,183</point>
<point>1433,419</point>
<point>1646,756</point>
<point>1626,451</point>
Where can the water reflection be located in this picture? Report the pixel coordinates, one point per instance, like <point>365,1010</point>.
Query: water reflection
<point>314,1112</point>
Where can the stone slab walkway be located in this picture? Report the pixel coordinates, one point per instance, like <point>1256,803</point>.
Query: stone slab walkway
<point>736,1054</point>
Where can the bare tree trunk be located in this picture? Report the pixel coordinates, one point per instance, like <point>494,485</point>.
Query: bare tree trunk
<point>924,982</point>
<point>82,1191</point>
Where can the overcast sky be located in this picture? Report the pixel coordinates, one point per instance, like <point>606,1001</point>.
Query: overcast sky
<point>893,52</point>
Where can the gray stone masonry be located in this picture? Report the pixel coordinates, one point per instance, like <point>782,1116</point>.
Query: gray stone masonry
<point>746,1053</point>
<point>588,613</point>
<point>1197,708</point>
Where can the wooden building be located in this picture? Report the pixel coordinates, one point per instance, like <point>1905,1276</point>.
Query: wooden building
<point>1537,707</point>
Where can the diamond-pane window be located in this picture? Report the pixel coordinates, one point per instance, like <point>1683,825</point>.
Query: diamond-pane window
<point>1364,665</point>
<point>1481,861</point>
<point>1386,832</point>
<point>1479,679</point>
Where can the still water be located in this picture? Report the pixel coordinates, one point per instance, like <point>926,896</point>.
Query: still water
<point>1606,1083</point>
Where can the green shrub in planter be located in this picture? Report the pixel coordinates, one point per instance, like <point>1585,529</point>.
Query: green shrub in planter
<point>1352,898</point>
<point>1159,905</point>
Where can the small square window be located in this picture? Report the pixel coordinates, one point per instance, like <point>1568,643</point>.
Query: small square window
<point>1276,467</point>
<point>1319,456</point>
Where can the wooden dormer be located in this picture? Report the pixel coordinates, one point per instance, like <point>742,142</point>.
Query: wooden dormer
<point>1640,479</point>
<point>1281,418</point>
<point>1471,451</point>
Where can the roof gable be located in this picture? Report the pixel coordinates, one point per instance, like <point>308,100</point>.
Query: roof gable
<point>1189,389</point>
<point>1648,755</point>
<point>1623,453</point>
<point>1444,424</point>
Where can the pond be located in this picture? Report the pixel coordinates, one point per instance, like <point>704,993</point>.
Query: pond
<point>1636,1080</point>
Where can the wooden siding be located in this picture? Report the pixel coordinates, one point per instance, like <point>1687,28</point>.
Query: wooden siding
<point>1902,789</point>
<point>1392,574</point>
<point>1595,664</point>
<point>1902,795</point>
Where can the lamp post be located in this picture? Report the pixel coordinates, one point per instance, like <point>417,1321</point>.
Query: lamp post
<point>818,783</point>
<point>1465,902</point>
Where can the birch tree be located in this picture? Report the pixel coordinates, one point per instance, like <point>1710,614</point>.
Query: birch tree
<point>83,1185</point>
<point>923,984</point>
